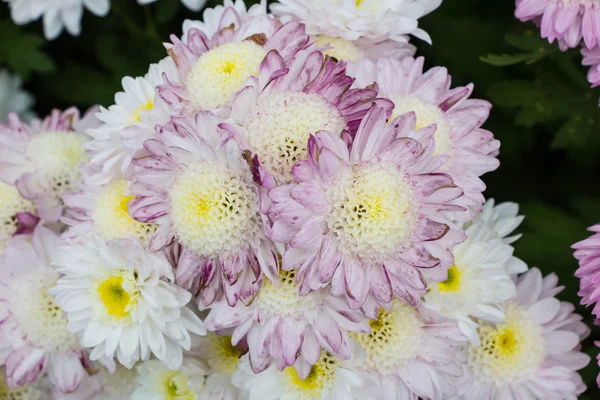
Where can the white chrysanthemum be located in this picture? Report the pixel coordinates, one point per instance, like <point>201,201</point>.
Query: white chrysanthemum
<point>13,98</point>
<point>11,205</point>
<point>156,382</point>
<point>329,378</point>
<point>119,385</point>
<point>278,128</point>
<point>118,295</point>
<point>194,5</point>
<point>105,209</point>
<point>534,353</point>
<point>58,14</point>
<point>496,222</point>
<point>358,19</point>
<point>128,123</point>
<point>222,359</point>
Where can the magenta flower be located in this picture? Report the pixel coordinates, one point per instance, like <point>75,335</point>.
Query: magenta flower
<point>471,151</point>
<point>196,186</point>
<point>283,327</point>
<point>587,252</point>
<point>365,217</point>
<point>567,21</point>
<point>214,65</point>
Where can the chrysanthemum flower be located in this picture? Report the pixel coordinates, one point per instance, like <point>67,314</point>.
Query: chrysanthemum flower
<point>354,51</point>
<point>118,385</point>
<point>57,14</point>
<point>33,391</point>
<point>157,382</point>
<point>222,359</point>
<point>366,219</point>
<point>199,190</point>
<point>281,326</point>
<point>17,215</point>
<point>214,67</point>
<point>13,98</point>
<point>591,58</point>
<point>412,353</point>
<point>194,5</point>
<point>567,21</point>
<point>276,112</point>
<point>495,222</point>
<point>127,124</point>
<point>43,158</point>
<point>330,378</point>
<point>105,210</point>
<point>355,19</point>
<point>471,150</point>
<point>119,298</point>
<point>478,283</point>
<point>587,252</point>
<point>534,353</point>
<point>33,333</point>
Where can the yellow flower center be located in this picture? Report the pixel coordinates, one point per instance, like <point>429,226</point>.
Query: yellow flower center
<point>284,299</point>
<point>222,355</point>
<point>394,339</point>
<point>25,392</point>
<point>320,378</point>
<point>221,71</point>
<point>111,215</point>
<point>452,284</point>
<point>11,203</point>
<point>116,299</point>
<point>176,387</point>
<point>509,352</point>
<point>358,3</point>
<point>339,48</point>
<point>137,113</point>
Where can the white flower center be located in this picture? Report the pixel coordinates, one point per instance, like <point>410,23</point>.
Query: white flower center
<point>283,300</point>
<point>395,338</point>
<point>11,203</point>
<point>510,352</point>
<point>221,72</point>
<point>25,392</point>
<point>372,212</point>
<point>39,318</point>
<point>214,209</point>
<point>279,127</point>
<point>117,295</point>
<point>427,114</point>
<point>222,356</point>
<point>55,158</point>
<point>340,49</point>
<point>321,378</point>
<point>111,215</point>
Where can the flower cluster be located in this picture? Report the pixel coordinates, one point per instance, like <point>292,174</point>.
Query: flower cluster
<point>288,206</point>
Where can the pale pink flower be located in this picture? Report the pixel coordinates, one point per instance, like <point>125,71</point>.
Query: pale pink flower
<point>587,252</point>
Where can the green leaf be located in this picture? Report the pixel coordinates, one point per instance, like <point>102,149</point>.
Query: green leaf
<point>527,40</point>
<point>504,60</point>
<point>21,51</point>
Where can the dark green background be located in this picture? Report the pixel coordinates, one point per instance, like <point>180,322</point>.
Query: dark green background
<point>544,113</point>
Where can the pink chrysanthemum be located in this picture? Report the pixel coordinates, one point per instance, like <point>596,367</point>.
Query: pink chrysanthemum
<point>412,353</point>
<point>591,58</point>
<point>213,68</point>
<point>283,327</point>
<point>367,219</point>
<point>587,252</point>
<point>471,150</point>
<point>33,332</point>
<point>276,112</point>
<point>197,187</point>
<point>567,21</point>
<point>534,353</point>
<point>43,158</point>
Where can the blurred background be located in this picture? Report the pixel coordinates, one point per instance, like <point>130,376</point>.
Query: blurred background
<point>544,113</point>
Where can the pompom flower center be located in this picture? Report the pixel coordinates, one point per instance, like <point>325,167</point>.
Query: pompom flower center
<point>339,48</point>
<point>452,283</point>
<point>55,157</point>
<point>137,113</point>
<point>222,355</point>
<point>510,352</point>
<point>39,318</point>
<point>279,127</point>
<point>118,294</point>
<point>283,300</point>
<point>427,114</point>
<point>176,386</point>
<point>372,212</point>
<point>221,71</point>
<point>11,204</point>
<point>111,215</point>
<point>25,392</point>
<point>394,340</point>
<point>321,377</point>
<point>214,209</point>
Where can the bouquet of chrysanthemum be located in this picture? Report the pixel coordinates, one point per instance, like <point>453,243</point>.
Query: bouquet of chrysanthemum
<point>288,206</point>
